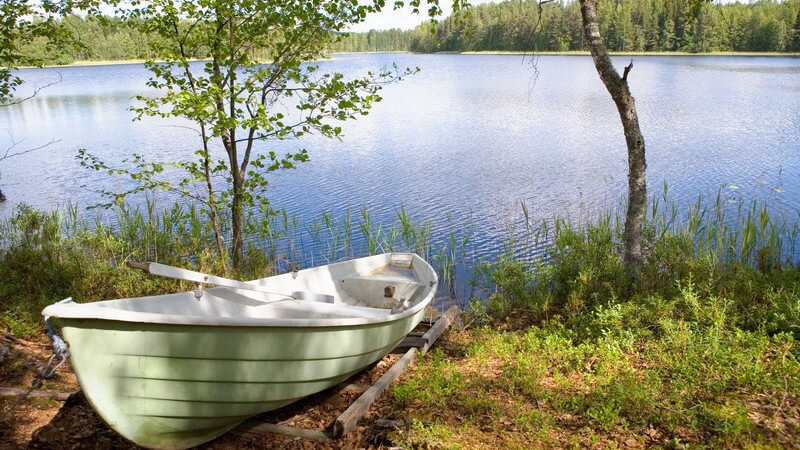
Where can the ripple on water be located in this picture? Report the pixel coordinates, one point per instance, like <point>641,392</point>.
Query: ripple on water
<point>460,144</point>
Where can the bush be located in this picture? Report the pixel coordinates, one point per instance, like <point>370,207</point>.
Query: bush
<point>46,257</point>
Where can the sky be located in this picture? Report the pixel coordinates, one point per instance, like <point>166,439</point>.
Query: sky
<point>403,18</point>
<point>406,20</point>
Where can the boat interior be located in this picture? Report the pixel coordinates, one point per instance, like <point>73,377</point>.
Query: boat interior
<point>374,288</point>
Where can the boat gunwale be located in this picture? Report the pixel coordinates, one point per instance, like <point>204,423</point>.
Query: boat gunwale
<point>92,311</point>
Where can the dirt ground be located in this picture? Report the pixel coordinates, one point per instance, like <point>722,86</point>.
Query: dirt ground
<point>42,423</point>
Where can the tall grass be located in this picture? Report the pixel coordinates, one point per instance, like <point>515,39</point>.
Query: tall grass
<point>571,349</point>
<point>744,252</point>
<point>49,255</point>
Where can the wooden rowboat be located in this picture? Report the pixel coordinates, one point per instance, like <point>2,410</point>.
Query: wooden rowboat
<point>174,371</point>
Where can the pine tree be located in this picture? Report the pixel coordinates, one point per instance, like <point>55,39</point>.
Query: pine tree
<point>795,41</point>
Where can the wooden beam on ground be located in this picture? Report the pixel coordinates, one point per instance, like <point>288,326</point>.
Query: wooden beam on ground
<point>356,411</point>
<point>438,328</point>
<point>348,420</point>
<point>255,428</point>
<point>14,392</point>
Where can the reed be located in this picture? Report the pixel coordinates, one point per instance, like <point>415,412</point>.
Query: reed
<point>716,239</point>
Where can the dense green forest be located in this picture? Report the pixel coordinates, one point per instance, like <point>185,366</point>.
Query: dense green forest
<point>394,40</point>
<point>626,25</point>
<point>516,25</point>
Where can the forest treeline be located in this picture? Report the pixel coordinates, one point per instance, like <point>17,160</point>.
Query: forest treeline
<point>626,25</point>
<point>516,25</point>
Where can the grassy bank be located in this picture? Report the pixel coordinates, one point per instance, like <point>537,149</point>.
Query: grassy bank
<point>565,349</point>
<point>48,256</point>
<point>701,351</point>
<point>677,382</point>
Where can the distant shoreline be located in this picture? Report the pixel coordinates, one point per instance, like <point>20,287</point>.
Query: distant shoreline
<point>115,62</point>
<point>120,62</point>
<point>99,62</point>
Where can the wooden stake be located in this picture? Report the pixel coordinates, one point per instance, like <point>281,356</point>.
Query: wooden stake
<point>438,328</point>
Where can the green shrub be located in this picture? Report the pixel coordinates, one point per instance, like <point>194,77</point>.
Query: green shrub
<point>46,257</point>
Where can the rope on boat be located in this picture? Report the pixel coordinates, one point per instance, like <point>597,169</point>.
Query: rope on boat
<point>57,359</point>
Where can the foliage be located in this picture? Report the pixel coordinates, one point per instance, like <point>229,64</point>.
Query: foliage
<point>570,352</point>
<point>15,26</point>
<point>743,253</point>
<point>633,25</point>
<point>30,33</point>
<point>679,381</point>
<point>626,25</point>
<point>235,101</point>
<point>46,257</point>
<point>393,40</point>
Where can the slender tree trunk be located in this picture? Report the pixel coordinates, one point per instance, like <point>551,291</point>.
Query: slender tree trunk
<point>212,205</point>
<point>237,221</point>
<point>229,139</point>
<point>617,86</point>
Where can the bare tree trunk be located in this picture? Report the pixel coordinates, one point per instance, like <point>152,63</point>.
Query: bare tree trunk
<point>618,88</point>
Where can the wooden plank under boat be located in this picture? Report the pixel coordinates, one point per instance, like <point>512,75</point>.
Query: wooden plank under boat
<point>172,371</point>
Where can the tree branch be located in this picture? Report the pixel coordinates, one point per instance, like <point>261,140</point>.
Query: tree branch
<point>8,153</point>
<point>627,71</point>
<point>36,89</point>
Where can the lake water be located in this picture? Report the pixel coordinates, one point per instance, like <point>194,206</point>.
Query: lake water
<point>459,144</point>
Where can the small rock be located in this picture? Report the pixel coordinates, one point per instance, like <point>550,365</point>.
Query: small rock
<point>388,424</point>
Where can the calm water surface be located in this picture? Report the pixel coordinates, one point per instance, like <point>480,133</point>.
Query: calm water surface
<point>459,144</point>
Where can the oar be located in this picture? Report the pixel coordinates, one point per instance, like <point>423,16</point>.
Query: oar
<point>163,270</point>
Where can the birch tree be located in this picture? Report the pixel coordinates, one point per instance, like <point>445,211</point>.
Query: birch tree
<point>257,56</point>
<point>618,88</point>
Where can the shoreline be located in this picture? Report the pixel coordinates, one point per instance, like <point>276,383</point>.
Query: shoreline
<point>99,62</point>
<point>121,62</point>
